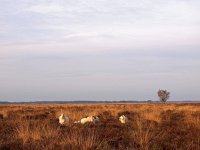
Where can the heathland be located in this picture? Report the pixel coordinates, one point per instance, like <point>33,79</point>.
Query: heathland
<point>150,126</point>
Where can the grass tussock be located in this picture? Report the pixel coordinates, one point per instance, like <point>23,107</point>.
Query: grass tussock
<point>150,126</point>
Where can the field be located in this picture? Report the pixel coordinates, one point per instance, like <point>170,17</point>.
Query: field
<point>150,126</point>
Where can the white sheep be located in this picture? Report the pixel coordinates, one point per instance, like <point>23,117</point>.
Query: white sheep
<point>77,122</point>
<point>123,119</point>
<point>93,119</point>
<point>63,120</point>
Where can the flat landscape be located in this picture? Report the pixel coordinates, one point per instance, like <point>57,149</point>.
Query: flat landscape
<point>149,126</point>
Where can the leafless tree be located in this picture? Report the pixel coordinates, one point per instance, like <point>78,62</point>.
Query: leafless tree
<point>163,95</point>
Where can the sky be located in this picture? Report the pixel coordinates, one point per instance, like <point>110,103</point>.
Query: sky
<point>99,49</point>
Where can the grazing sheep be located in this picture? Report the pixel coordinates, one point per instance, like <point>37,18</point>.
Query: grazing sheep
<point>123,119</point>
<point>85,120</point>
<point>63,120</point>
<point>93,119</point>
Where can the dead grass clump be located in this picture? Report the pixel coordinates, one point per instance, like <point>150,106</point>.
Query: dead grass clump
<point>82,138</point>
<point>153,115</point>
<point>195,119</point>
<point>177,130</point>
<point>106,116</point>
<point>144,135</point>
<point>14,115</point>
<point>1,116</point>
<point>33,132</point>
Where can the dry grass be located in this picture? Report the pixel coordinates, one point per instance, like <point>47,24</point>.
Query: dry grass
<point>150,126</point>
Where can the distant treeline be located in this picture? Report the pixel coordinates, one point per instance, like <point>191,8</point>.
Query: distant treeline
<point>86,102</point>
<point>69,102</point>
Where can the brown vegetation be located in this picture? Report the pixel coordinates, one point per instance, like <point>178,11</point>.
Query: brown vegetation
<point>150,126</point>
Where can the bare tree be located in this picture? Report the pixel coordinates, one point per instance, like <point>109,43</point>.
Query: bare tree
<point>163,95</point>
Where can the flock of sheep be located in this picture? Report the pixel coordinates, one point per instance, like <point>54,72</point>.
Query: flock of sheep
<point>64,120</point>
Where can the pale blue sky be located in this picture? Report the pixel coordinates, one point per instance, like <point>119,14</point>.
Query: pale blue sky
<point>99,49</point>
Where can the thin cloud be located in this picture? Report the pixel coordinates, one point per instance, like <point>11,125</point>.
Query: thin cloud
<point>45,9</point>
